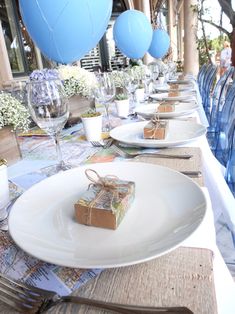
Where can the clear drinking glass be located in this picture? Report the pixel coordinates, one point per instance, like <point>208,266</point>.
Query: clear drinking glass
<point>18,90</point>
<point>104,93</point>
<point>131,84</point>
<point>148,78</point>
<point>154,68</point>
<point>48,106</point>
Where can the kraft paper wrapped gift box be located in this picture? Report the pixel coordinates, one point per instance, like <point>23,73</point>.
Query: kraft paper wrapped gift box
<point>156,129</point>
<point>173,93</point>
<point>105,203</point>
<point>174,86</point>
<point>166,108</point>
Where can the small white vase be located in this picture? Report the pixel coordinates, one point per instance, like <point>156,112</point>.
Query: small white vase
<point>161,80</point>
<point>122,107</point>
<point>92,127</point>
<point>139,94</point>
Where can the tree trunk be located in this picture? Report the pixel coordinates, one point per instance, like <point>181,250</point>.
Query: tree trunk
<point>233,46</point>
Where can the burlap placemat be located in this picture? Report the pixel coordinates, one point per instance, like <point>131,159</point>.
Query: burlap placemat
<point>183,277</point>
<point>193,163</point>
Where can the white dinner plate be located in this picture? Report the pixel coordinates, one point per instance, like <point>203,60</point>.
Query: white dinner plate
<point>178,81</point>
<point>148,111</point>
<point>182,87</point>
<point>179,132</point>
<point>167,209</point>
<point>184,95</point>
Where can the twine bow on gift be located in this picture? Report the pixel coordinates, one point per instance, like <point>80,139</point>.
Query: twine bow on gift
<point>156,124</point>
<point>106,184</point>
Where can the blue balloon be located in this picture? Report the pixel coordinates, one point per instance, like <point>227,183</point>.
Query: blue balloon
<point>133,33</point>
<point>160,44</point>
<point>65,30</point>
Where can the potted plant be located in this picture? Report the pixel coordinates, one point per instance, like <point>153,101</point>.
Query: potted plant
<point>13,117</point>
<point>161,78</point>
<point>140,92</point>
<point>122,105</point>
<point>92,125</point>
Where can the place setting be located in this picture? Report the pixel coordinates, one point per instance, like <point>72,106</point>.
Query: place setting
<point>168,133</point>
<point>170,87</point>
<point>175,95</point>
<point>166,109</point>
<point>68,240</point>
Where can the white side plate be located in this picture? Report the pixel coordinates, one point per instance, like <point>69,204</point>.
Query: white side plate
<point>179,132</point>
<point>149,110</point>
<point>184,95</point>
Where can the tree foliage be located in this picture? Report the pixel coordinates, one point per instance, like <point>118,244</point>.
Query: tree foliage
<point>227,9</point>
<point>204,49</point>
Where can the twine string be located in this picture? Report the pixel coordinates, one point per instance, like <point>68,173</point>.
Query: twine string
<point>106,184</point>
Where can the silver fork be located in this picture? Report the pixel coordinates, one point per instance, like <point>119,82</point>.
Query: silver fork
<point>125,154</point>
<point>104,145</point>
<point>32,300</point>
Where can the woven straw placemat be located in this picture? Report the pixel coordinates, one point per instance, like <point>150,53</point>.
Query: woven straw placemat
<point>183,277</point>
<point>192,164</point>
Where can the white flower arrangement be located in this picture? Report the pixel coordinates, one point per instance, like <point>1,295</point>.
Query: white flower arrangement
<point>13,113</point>
<point>76,80</point>
<point>119,79</point>
<point>138,71</point>
<point>160,66</point>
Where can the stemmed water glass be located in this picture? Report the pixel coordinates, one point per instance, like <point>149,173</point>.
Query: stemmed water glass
<point>48,106</point>
<point>18,90</point>
<point>148,78</point>
<point>154,68</point>
<point>104,93</point>
<point>131,84</point>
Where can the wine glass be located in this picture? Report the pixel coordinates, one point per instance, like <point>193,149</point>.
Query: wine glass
<point>131,84</point>
<point>154,67</point>
<point>18,90</point>
<point>48,106</point>
<point>148,77</point>
<point>104,92</point>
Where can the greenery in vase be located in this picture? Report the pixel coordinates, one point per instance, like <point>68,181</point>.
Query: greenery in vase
<point>121,97</point>
<point>141,85</point>
<point>90,114</point>
<point>137,71</point>
<point>13,113</point>
<point>119,79</point>
<point>76,80</point>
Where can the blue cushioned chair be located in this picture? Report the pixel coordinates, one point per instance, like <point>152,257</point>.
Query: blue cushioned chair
<point>230,168</point>
<point>225,127</point>
<point>217,103</point>
<point>207,87</point>
<point>201,76</point>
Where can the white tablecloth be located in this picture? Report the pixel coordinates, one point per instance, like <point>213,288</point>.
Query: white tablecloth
<point>224,285</point>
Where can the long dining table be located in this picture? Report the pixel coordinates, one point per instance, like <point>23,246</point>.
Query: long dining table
<point>193,275</point>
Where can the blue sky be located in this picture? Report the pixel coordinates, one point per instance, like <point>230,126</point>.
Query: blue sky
<point>214,9</point>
